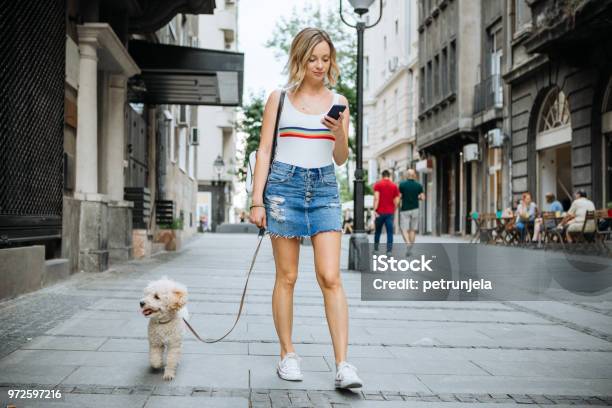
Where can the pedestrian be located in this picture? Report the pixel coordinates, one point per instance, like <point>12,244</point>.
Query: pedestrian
<point>411,192</point>
<point>301,195</point>
<point>386,199</point>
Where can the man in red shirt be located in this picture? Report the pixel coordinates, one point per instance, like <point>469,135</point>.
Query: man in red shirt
<point>386,199</point>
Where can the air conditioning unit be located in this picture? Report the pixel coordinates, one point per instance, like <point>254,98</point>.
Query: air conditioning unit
<point>393,63</point>
<point>470,152</point>
<point>424,166</point>
<point>195,137</point>
<point>495,138</point>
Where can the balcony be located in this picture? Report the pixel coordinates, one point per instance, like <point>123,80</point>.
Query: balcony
<point>488,94</point>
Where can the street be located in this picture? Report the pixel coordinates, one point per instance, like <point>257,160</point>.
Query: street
<point>86,337</point>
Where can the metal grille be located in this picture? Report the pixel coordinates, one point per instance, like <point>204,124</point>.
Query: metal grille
<point>32,74</point>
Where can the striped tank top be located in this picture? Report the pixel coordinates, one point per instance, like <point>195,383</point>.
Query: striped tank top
<point>302,139</point>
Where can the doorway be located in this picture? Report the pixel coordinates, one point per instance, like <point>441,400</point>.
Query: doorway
<point>555,174</point>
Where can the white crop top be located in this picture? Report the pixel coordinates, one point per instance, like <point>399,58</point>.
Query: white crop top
<point>302,139</point>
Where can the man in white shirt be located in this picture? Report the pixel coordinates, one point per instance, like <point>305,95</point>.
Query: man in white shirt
<point>574,220</point>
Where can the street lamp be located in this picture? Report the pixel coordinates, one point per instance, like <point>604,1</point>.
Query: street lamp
<point>219,166</point>
<point>358,253</point>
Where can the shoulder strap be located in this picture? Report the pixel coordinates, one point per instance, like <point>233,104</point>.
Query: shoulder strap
<point>279,111</point>
<point>278,115</point>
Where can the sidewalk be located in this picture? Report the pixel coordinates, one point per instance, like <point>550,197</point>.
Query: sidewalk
<point>88,339</point>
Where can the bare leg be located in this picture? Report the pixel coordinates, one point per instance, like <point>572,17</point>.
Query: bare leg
<point>326,247</point>
<point>412,235</point>
<point>405,235</point>
<point>286,256</point>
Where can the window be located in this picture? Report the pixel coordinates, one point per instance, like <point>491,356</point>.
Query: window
<point>422,90</point>
<point>444,73</point>
<point>385,118</point>
<point>555,111</point>
<point>396,110</point>
<point>366,131</point>
<point>436,77</point>
<point>410,97</point>
<point>182,148</point>
<point>429,98</point>
<point>453,66</point>
<point>176,144</point>
<point>521,17</point>
<point>192,150</point>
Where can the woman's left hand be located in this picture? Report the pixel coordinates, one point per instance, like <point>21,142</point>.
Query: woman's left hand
<point>335,125</point>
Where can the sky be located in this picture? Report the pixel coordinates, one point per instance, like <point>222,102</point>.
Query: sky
<point>262,71</point>
<point>256,21</point>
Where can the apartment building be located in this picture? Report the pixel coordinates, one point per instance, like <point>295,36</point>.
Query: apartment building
<point>390,90</point>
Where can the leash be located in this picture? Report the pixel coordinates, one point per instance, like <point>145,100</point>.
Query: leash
<point>246,284</point>
<point>260,235</point>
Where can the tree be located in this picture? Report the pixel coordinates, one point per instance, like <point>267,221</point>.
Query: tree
<point>249,122</point>
<point>344,39</point>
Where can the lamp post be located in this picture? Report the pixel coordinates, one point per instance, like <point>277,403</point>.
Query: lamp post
<point>219,166</point>
<point>358,248</point>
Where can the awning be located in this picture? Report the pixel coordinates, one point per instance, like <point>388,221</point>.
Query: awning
<point>184,75</point>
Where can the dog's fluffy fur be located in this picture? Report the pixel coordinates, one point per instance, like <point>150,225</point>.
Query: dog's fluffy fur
<point>164,304</point>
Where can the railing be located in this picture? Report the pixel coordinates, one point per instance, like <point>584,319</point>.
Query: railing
<point>488,94</point>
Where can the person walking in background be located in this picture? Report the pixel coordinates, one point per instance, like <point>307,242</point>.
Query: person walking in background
<point>386,199</point>
<point>411,192</point>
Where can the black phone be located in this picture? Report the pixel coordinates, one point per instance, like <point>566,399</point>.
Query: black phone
<point>335,110</point>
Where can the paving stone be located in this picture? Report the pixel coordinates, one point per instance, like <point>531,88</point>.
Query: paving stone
<point>409,354</point>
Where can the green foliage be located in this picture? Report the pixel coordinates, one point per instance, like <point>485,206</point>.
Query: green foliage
<point>250,123</point>
<point>177,224</point>
<point>346,190</point>
<point>343,37</point>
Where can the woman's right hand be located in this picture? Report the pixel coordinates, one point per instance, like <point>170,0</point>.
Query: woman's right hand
<point>258,216</point>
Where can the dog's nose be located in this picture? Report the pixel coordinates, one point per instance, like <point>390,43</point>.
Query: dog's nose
<point>142,303</point>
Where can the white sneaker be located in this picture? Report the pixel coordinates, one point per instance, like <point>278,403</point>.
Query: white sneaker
<point>346,376</point>
<point>289,368</point>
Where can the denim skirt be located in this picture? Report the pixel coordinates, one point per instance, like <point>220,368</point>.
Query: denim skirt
<point>301,202</point>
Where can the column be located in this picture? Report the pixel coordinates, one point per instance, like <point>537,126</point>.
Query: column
<point>114,139</point>
<point>87,125</point>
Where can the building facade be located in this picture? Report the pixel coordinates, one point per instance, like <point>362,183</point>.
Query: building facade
<point>525,111</point>
<point>97,149</point>
<point>216,168</point>
<point>561,90</point>
<point>390,90</point>
<point>449,73</point>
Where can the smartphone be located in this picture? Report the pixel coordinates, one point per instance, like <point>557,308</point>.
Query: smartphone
<point>335,110</point>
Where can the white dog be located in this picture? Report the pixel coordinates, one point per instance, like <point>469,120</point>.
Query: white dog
<point>164,303</point>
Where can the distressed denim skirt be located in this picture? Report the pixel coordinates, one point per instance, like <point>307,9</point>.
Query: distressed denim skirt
<point>301,202</point>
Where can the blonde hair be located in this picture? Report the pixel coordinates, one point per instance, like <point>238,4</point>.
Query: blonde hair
<point>301,49</point>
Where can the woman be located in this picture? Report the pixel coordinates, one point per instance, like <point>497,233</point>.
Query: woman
<point>301,196</point>
<point>525,214</point>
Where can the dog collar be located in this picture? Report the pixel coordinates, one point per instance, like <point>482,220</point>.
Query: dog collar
<point>167,321</point>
